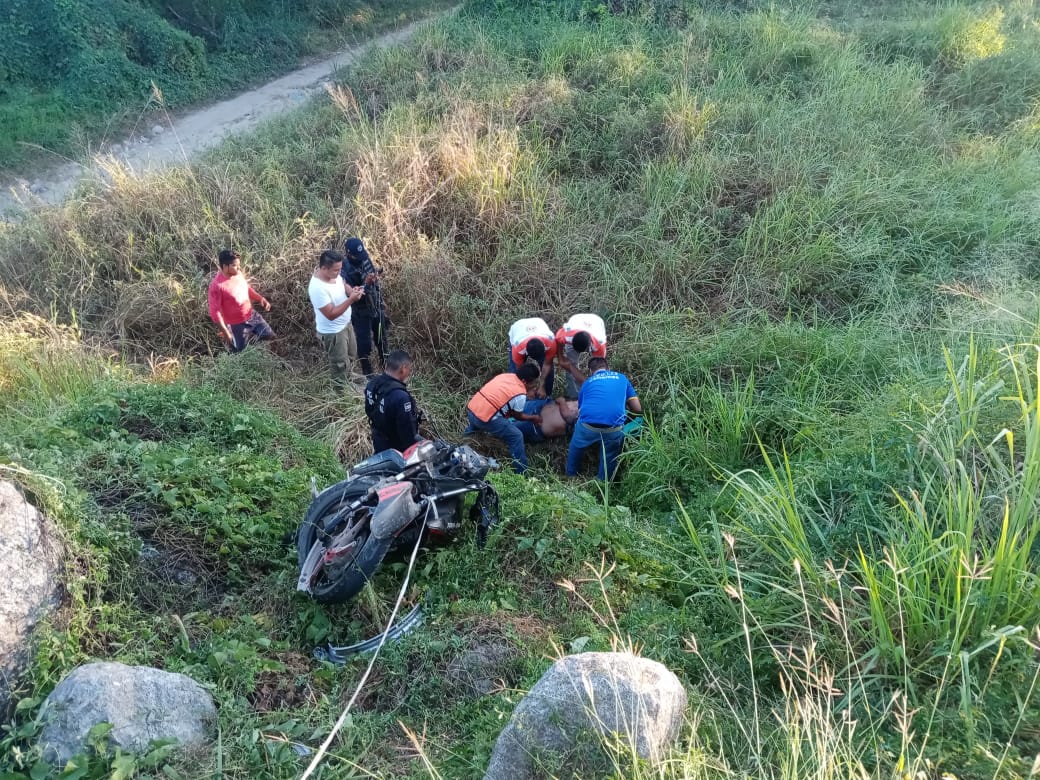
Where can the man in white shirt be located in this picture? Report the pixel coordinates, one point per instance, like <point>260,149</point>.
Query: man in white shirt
<point>531,339</point>
<point>331,298</point>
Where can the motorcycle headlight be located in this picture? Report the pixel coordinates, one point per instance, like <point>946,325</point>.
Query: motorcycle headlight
<point>470,463</point>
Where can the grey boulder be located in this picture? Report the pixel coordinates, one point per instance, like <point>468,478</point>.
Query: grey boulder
<point>581,703</point>
<point>142,704</point>
<point>31,561</point>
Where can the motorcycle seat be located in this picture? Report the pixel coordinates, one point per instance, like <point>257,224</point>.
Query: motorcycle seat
<point>385,462</point>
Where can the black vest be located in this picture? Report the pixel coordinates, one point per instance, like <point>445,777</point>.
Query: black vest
<point>383,406</point>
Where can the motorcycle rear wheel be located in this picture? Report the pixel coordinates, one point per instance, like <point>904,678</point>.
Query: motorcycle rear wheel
<point>340,583</point>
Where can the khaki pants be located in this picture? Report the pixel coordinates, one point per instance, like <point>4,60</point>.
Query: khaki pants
<point>351,337</point>
<point>341,351</point>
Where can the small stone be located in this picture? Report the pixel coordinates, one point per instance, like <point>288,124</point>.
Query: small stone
<point>157,130</point>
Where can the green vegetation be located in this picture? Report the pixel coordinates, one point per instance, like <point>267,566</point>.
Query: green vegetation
<point>813,232</point>
<point>76,72</point>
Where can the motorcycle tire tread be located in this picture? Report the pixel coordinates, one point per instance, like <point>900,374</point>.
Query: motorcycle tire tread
<point>368,557</point>
<point>359,573</point>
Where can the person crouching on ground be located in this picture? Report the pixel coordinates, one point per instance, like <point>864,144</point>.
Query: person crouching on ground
<point>531,339</point>
<point>580,334</point>
<point>231,302</point>
<point>602,402</point>
<point>331,298</point>
<point>390,407</point>
<point>498,408</point>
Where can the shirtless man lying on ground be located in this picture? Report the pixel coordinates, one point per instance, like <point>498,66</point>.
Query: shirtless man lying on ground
<point>556,415</point>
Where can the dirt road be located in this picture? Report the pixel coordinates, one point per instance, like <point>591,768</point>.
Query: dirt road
<point>170,142</point>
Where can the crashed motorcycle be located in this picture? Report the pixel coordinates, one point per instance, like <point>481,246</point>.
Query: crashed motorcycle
<point>385,505</point>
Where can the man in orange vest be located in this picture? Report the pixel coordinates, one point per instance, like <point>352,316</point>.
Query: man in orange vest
<point>498,408</point>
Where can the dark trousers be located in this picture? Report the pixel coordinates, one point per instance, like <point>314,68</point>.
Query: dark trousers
<point>368,330</point>
<point>508,431</point>
<point>606,441</point>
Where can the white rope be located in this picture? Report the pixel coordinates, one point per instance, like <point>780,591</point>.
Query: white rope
<point>364,678</point>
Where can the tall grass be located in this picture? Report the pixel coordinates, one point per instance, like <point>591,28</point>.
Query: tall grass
<point>556,166</point>
<point>41,362</point>
<point>965,560</point>
<point>936,607</point>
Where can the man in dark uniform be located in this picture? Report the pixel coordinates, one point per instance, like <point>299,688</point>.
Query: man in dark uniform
<point>390,407</point>
<point>368,316</point>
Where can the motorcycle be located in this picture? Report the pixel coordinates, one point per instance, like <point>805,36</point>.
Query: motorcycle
<point>386,504</point>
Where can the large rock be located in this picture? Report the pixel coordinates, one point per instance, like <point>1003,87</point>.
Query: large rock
<point>581,702</point>
<point>141,703</point>
<point>30,559</point>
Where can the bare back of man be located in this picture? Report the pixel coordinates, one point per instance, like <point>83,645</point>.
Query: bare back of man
<point>557,416</point>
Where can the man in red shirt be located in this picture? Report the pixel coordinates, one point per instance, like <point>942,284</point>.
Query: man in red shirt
<point>231,302</point>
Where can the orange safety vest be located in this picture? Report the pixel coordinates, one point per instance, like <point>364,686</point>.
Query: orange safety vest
<point>490,399</point>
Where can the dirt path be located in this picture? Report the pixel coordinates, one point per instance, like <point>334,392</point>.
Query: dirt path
<point>178,141</point>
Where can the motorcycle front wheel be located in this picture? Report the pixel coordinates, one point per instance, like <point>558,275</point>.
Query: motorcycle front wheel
<point>341,580</point>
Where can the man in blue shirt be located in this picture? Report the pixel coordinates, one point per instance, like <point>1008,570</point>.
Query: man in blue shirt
<point>602,402</point>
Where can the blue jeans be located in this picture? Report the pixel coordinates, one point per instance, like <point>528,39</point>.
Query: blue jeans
<point>607,443</point>
<point>508,431</point>
<point>253,329</point>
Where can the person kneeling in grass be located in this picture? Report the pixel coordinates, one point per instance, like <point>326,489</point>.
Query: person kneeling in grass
<point>602,402</point>
<point>531,339</point>
<point>498,408</point>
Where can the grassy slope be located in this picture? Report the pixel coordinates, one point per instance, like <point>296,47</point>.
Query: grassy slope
<point>783,217</point>
<point>106,90</point>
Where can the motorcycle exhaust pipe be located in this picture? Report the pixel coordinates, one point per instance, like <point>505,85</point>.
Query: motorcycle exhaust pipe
<point>395,510</point>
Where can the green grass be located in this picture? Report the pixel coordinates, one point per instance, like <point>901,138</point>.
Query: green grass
<point>811,230</point>
<point>76,76</point>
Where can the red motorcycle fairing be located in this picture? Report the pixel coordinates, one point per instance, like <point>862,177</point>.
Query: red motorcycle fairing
<point>396,508</point>
<point>420,451</point>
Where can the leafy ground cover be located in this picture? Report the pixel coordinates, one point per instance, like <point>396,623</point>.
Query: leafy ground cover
<point>813,234</point>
